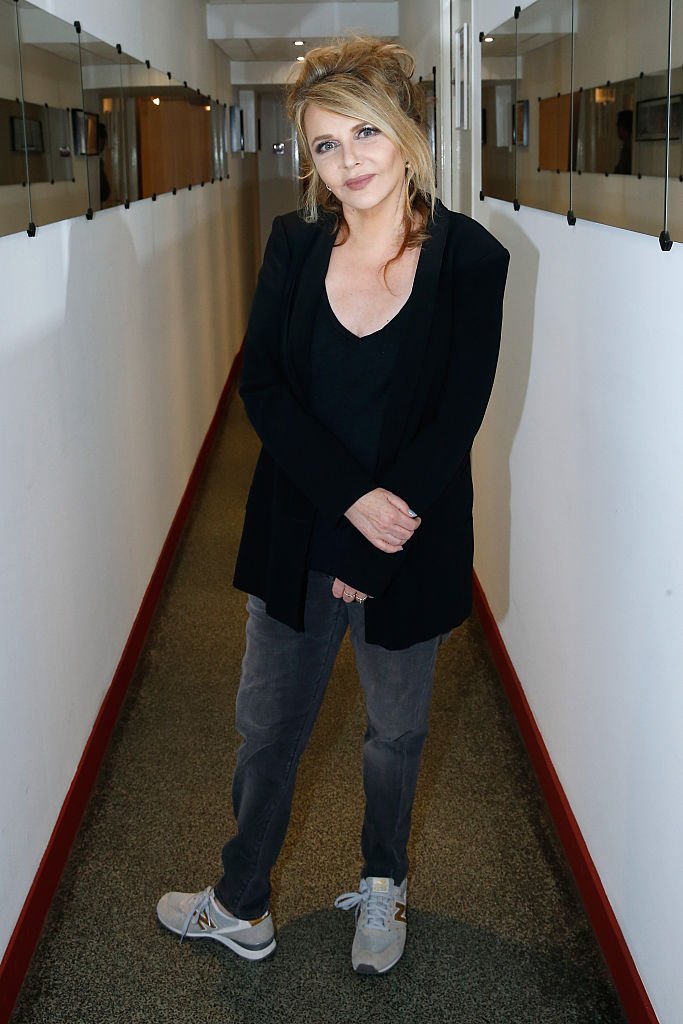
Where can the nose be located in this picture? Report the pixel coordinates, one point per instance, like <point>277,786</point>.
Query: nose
<point>349,155</point>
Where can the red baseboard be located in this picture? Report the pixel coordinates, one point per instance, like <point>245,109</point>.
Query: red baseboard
<point>29,926</point>
<point>634,998</point>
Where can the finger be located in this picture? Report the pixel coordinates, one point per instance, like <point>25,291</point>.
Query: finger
<point>383,545</point>
<point>402,506</point>
<point>349,596</point>
<point>394,535</point>
<point>393,518</point>
<point>337,588</point>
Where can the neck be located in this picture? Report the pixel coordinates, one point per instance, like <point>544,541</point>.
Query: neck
<point>378,229</point>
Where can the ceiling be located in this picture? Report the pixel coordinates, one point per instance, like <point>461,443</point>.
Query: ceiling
<point>259,35</point>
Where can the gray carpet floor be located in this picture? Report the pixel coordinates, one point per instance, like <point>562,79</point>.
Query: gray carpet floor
<point>497,934</point>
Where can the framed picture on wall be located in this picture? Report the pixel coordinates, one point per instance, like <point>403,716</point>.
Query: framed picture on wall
<point>651,119</point>
<point>27,135</point>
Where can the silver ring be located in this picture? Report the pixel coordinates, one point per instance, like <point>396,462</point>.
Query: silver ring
<point>359,599</point>
<point>347,593</point>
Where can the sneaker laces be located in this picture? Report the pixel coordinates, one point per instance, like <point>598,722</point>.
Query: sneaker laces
<point>378,905</point>
<point>200,904</point>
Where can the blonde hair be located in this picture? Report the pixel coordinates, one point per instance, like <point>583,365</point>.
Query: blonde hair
<point>370,80</point>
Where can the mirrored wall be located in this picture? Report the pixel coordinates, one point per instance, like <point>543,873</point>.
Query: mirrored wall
<point>582,111</point>
<point>85,126</point>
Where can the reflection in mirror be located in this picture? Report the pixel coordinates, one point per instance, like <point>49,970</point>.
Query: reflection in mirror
<point>620,144</point>
<point>219,140</point>
<point>498,74</point>
<point>133,75</point>
<point>590,137</point>
<point>58,174</point>
<point>543,110</point>
<point>171,135</point>
<point>16,148</point>
<point>102,105</point>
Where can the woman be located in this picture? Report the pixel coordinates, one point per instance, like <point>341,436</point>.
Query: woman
<point>368,363</point>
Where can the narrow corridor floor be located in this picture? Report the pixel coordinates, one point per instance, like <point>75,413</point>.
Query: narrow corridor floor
<point>497,934</point>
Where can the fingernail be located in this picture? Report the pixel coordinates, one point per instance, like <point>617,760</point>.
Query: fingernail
<point>413,515</point>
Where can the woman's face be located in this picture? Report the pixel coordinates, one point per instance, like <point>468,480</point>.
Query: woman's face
<point>355,160</point>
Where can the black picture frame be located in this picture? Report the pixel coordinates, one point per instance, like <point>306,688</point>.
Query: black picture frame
<point>27,135</point>
<point>651,118</point>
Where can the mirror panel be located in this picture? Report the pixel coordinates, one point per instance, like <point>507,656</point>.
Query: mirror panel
<point>620,157</point>
<point>58,177</point>
<point>16,149</point>
<point>543,110</point>
<point>575,96</point>
<point>498,87</point>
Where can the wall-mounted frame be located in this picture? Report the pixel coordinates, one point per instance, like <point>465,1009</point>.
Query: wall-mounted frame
<point>651,119</point>
<point>27,135</point>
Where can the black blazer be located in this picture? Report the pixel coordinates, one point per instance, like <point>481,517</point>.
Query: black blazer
<point>443,379</point>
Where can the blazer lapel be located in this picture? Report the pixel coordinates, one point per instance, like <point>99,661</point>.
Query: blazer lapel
<point>418,330</point>
<point>308,282</point>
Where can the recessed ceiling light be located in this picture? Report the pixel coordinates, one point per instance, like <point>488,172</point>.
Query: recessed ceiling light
<point>301,58</point>
<point>488,39</point>
<point>298,42</point>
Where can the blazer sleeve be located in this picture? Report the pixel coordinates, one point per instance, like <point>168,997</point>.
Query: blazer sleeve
<point>430,461</point>
<point>308,454</point>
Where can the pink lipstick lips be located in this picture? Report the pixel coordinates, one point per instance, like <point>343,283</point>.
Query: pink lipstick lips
<point>358,183</point>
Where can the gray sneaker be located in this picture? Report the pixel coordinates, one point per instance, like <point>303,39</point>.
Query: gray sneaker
<point>380,924</point>
<point>199,916</point>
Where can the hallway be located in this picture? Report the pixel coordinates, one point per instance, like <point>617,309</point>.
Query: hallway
<point>497,934</point>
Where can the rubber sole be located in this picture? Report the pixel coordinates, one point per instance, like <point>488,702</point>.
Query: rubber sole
<point>245,952</point>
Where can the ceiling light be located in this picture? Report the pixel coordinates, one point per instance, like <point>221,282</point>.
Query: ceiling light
<point>488,39</point>
<point>301,58</point>
<point>298,42</point>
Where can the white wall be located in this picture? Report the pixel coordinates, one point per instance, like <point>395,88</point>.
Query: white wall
<point>117,338</point>
<point>578,523</point>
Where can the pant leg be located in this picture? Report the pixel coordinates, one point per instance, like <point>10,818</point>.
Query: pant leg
<point>397,686</point>
<point>283,681</point>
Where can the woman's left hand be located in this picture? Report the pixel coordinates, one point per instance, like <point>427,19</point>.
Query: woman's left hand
<point>347,594</point>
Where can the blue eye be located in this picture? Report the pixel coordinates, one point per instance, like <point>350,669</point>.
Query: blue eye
<point>324,147</point>
<point>367,131</point>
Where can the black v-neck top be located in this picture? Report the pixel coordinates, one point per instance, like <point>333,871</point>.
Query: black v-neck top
<point>350,380</point>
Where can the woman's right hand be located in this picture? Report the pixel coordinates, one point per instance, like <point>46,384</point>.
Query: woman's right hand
<point>384,519</point>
